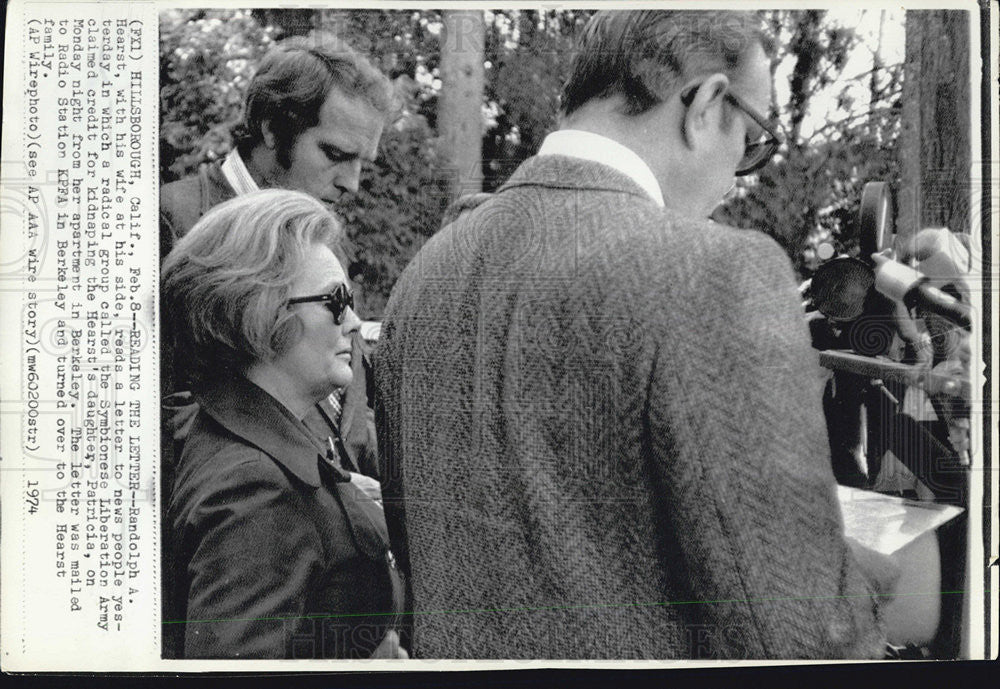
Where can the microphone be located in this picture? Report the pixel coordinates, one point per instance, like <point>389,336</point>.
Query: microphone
<point>902,283</point>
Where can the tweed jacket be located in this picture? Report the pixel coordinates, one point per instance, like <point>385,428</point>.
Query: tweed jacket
<point>276,553</point>
<point>602,437</point>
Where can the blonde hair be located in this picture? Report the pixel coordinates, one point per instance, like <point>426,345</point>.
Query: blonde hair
<point>225,284</point>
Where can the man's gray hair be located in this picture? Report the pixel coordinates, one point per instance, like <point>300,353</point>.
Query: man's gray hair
<point>645,56</point>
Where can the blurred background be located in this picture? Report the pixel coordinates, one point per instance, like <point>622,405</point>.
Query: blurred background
<point>478,91</point>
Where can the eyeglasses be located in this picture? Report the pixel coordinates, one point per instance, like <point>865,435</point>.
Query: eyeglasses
<point>756,153</point>
<point>338,301</point>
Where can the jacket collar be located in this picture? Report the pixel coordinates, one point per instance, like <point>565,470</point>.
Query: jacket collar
<point>565,172</point>
<point>574,143</point>
<point>249,412</point>
<point>555,171</point>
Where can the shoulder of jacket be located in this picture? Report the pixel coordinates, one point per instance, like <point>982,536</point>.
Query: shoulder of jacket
<point>215,455</point>
<point>180,202</point>
<point>183,202</point>
<point>464,205</point>
<point>180,189</point>
<point>724,242</point>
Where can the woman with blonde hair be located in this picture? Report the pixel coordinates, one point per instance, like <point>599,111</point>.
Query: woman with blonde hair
<point>278,553</point>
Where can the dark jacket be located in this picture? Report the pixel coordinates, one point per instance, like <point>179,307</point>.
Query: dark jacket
<point>603,436</point>
<point>276,554</point>
<point>182,203</point>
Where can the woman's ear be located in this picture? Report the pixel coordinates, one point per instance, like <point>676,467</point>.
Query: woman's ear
<point>704,100</point>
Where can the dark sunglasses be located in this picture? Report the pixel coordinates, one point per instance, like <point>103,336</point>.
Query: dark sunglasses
<point>755,153</point>
<point>338,301</point>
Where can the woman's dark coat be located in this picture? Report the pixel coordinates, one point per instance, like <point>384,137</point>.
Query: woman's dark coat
<point>277,554</point>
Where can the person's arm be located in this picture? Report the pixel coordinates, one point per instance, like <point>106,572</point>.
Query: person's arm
<point>737,431</point>
<point>256,557</point>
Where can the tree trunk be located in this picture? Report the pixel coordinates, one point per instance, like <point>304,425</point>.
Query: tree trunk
<point>935,149</point>
<point>460,104</point>
<point>935,161</point>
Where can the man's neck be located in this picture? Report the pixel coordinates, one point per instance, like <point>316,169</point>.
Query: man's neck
<point>597,148</point>
<point>261,163</point>
<point>654,136</point>
<point>605,119</point>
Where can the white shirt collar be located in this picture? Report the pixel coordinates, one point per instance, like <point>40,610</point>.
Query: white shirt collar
<point>237,175</point>
<point>576,143</point>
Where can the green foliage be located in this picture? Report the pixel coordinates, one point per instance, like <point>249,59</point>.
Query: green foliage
<point>397,41</point>
<point>818,51</point>
<point>813,195</point>
<point>398,206</point>
<point>207,58</point>
<point>810,193</point>
<point>528,53</point>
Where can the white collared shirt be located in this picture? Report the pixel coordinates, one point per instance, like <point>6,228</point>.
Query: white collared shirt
<point>576,143</point>
<point>236,173</point>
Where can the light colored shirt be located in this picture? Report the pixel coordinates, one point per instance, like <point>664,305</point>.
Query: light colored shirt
<point>236,173</point>
<point>576,143</point>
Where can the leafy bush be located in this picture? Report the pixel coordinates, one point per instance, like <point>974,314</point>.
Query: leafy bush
<point>207,58</point>
<point>397,208</point>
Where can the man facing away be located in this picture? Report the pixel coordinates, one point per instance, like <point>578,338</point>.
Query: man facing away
<point>598,412</point>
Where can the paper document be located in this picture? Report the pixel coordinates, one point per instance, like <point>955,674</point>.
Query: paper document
<point>886,523</point>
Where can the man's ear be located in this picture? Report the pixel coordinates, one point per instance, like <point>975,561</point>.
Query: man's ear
<point>267,131</point>
<point>704,101</point>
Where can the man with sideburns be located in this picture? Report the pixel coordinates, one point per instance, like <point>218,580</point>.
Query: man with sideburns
<point>598,411</point>
<point>314,111</point>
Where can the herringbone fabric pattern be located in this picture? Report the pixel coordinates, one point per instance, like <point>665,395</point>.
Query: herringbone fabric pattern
<point>602,437</point>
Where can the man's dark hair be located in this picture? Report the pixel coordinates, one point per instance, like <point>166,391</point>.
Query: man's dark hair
<point>293,82</point>
<point>644,56</point>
